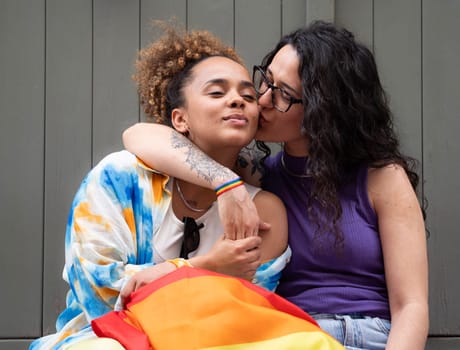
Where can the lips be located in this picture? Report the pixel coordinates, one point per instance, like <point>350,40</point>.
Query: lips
<point>262,121</point>
<point>235,117</point>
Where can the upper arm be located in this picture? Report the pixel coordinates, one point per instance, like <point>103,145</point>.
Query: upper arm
<point>101,232</point>
<point>272,210</point>
<point>402,233</point>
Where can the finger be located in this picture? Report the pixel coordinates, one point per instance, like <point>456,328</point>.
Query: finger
<point>251,242</point>
<point>264,226</point>
<point>231,232</point>
<point>240,233</point>
<point>125,292</point>
<point>253,256</point>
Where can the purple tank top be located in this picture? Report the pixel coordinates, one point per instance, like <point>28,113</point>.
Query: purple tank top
<point>328,281</point>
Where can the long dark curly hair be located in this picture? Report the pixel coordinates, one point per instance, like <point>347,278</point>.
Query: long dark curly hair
<point>347,119</point>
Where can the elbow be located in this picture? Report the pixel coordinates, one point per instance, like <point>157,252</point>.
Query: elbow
<point>129,136</point>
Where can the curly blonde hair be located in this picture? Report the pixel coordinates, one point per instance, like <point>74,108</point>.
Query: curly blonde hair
<point>163,68</point>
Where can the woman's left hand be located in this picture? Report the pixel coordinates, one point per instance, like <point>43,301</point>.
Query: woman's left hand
<point>144,277</point>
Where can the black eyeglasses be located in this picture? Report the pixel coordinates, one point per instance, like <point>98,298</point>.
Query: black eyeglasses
<point>281,99</point>
<point>191,239</point>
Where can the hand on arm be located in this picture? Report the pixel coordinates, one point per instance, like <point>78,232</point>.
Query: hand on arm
<point>403,239</point>
<point>238,258</point>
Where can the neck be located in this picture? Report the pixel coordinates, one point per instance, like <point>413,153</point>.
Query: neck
<point>226,157</point>
<point>297,148</point>
<point>191,200</point>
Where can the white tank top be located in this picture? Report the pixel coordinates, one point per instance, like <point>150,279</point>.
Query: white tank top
<point>167,240</point>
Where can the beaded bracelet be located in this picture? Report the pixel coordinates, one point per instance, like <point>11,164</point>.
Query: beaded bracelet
<point>229,185</point>
<point>179,262</point>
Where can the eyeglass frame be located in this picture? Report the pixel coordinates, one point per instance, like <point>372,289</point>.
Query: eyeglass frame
<point>191,240</point>
<point>273,87</point>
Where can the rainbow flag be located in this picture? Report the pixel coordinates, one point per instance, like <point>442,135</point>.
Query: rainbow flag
<point>191,309</point>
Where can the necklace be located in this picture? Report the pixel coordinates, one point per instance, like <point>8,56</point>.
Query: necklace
<point>283,164</point>
<point>186,203</point>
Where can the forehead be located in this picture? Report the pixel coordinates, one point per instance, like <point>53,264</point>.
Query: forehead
<point>219,67</point>
<point>285,65</point>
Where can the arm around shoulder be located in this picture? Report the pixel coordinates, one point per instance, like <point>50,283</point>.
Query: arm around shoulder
<point>166,150</point>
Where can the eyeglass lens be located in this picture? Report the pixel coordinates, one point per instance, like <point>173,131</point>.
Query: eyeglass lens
<point>191,239</point>
<point>281,100</point>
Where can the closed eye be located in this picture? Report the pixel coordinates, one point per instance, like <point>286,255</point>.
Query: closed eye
<point>249,98</point>
<point>216,93</point>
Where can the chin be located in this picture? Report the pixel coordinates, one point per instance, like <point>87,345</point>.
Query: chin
<point>264,137</point>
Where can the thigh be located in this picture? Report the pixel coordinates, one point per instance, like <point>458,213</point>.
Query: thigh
<point>354,333</point>
<point>374,332</point>
<point>97,344</point>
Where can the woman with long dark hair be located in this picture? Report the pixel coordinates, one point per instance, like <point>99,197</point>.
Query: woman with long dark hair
<point>356,228</point>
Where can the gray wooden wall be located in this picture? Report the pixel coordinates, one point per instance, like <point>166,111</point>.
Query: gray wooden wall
<point>66,95</point>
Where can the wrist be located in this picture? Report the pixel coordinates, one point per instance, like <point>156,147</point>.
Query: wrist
<point>179,262</point>
<point>222,177</point>
<point>203,262</point>
<point>228,186</point>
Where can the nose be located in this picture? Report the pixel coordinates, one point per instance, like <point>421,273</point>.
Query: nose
<point>236,100</point>
<point>266,99</point>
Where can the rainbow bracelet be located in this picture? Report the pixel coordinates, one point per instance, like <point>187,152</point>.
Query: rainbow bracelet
<point>227,186</point>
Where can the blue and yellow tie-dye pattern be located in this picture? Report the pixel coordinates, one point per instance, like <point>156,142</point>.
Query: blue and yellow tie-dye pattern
<point>109,237</point>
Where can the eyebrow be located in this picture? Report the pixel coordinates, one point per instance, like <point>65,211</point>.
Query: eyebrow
<point>283,84</point>
<point>220,81</point>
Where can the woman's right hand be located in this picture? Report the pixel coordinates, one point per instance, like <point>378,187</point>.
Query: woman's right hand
<point>238,258</point>
<point>238,214</point>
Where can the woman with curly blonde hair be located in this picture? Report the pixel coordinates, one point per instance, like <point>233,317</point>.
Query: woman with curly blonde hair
<point>130,224</point>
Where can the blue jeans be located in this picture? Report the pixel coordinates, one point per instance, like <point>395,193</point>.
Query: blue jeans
<point>355,331</point>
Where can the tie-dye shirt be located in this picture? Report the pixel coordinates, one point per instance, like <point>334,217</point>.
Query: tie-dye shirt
<point>109,237</point>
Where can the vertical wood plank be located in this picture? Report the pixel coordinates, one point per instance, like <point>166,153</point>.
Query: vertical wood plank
<point>152,10</point>
<point>441,149</point>
<point>115,103</point>
<point>397,49</point>
<point>68,134</point>
<point>356,16</point>
<point>294,14</point>
<point>217,16</point>
<point>320,9</point>
<point>22,65</point>
<point>257,28</point>
<point>14,344</point>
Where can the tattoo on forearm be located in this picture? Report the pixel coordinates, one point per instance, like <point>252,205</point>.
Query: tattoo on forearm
<point>200,162</point>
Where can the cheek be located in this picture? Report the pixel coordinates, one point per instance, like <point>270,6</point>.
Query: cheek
<point>283,128</point>
<point>254,111</point>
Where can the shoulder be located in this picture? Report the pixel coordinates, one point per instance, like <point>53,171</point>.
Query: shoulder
<point>118,160</point>
<point>272,211</point>
<point>249,166</point>
<point>124,161</point>
<point>387,177</point>
<point>388,184</point>
<point>268,202</point>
